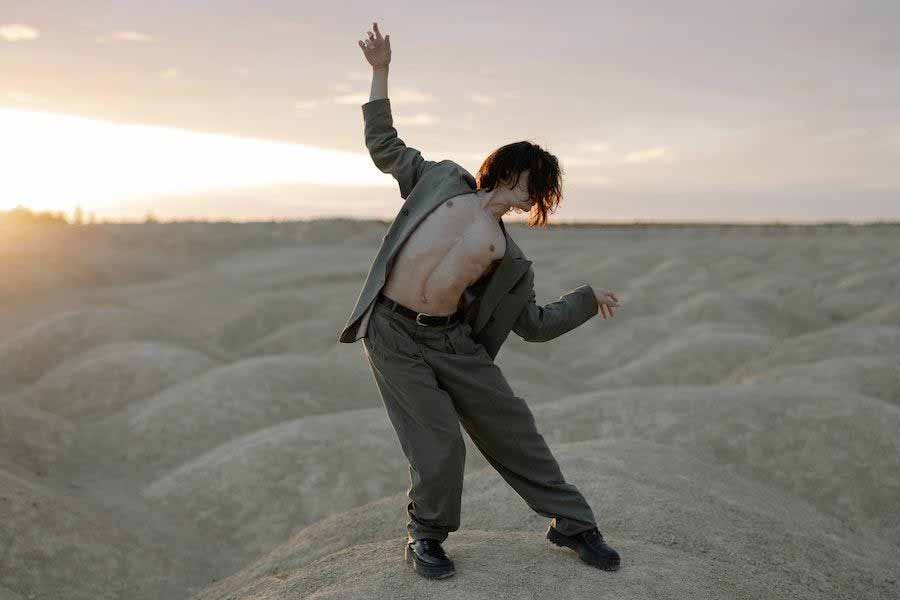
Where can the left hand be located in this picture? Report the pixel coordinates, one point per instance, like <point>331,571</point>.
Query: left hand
<point>377,49</point>
<point>607,300</point>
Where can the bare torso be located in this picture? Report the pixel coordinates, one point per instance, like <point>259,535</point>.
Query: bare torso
<point>450,249</point>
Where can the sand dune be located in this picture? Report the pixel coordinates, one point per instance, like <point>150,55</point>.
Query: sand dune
<point>31,437</point>
<point>199,414</point>
<point>877,376</point>
<point>690,528</point>
<point>8,594</point>
<point>886,314</point>
<point>311,334</point>
<point>777,433</point>
<point>699,354</point>
<point>841,341</point>
<point>104,380</point>
<point>30,354</point>
<point>54,546</point>
<point>192,428</point>
<point>254,490</point>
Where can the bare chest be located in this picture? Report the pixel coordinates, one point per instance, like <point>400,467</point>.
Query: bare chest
<point>452,247</point>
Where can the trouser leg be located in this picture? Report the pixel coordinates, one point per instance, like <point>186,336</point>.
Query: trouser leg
<point>427,427</point>
<point>502,427</point>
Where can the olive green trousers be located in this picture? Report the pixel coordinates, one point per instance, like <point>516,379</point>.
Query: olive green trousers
<point>431,380</point>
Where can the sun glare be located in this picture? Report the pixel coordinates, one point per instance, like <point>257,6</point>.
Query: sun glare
<point>56,162</point>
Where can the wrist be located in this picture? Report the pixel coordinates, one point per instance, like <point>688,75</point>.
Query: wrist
<point>381,68</point>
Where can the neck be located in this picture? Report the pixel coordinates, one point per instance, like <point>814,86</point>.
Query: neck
<point>492,205</point>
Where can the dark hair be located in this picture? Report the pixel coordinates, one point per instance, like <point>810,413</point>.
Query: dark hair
<point>507,162</point>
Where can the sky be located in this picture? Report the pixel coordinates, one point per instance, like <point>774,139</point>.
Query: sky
<point>698,110</point>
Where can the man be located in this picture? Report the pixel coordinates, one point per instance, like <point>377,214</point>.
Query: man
<point>443,293</point>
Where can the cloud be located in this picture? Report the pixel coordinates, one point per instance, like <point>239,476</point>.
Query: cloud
<point>416,120</point>
<point>577,160</point>
<point>97,162</point>
<point>594,147</point>
<point>598,155</point>
<point>463,156</point>
<point>401,96</point>
<point>843,135</point>
<point>358,98</point>
<point>641,156</point>
<point>588,154</point>
<point>590,180</point>
<point>132,36</point>
<point>305,108</point>
<point>408,96</point>
<point>23,97</point>
<point>16,32</point>
<point>468,121</point>
<point>126,36</point>
<point>483,100</point>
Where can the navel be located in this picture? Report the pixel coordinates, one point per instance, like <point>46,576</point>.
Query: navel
<point>492,247</point>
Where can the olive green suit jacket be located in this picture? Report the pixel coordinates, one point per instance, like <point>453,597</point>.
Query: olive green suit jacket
<point>507,300</point>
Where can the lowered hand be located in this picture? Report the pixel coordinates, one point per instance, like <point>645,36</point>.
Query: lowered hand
<point>606,300</point>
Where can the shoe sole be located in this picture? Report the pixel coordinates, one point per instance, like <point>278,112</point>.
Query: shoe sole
<point>424,569</point>
<point>565,541</point>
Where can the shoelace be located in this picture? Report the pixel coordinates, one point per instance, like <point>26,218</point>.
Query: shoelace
<point>593,537</point>
<point>434,546</point>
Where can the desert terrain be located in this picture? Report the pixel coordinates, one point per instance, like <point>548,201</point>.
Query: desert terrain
<point>179,421</point>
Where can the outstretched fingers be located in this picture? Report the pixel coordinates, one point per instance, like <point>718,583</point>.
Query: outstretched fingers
<point>375,39</point>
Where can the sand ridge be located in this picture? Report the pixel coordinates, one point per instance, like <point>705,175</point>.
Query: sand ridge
<point>192,428</point>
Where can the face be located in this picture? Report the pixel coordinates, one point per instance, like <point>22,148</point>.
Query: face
<point>520,201</point>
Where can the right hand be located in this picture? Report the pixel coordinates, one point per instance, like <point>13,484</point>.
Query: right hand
<point>377,49</point>
<point>608,300</point>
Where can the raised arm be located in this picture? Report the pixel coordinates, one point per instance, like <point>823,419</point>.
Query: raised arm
<point>389,153</point>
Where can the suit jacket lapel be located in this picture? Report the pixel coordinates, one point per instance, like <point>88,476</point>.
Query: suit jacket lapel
<point>508,272</point>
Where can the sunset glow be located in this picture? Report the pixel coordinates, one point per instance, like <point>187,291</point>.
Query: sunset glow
<point>55,162</point>
<point>708,111</point>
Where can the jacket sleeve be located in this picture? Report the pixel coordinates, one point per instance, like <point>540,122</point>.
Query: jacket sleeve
<point>388,151</point>
<point>542,323</point>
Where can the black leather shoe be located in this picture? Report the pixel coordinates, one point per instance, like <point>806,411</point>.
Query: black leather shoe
<point>428,558</point>
<point>590,547</point>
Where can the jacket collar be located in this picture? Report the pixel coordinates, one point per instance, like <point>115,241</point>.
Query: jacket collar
<point>513,266</point>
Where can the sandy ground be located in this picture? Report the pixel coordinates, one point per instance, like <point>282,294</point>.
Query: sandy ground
<point>178,420</point>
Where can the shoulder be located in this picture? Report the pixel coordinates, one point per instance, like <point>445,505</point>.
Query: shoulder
<point>453,168</point>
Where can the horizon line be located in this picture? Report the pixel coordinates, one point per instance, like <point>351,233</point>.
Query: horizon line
<point>552,224</point>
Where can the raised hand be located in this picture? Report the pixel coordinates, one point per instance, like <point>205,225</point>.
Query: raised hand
<point>377,49</point>
<point>606,300</point>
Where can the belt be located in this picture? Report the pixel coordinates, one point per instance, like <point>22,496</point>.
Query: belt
<point>419,318</point>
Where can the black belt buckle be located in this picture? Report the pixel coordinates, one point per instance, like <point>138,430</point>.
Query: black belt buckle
<point>446,320</point>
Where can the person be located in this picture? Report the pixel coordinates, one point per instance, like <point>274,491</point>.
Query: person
<point>446,288</point>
